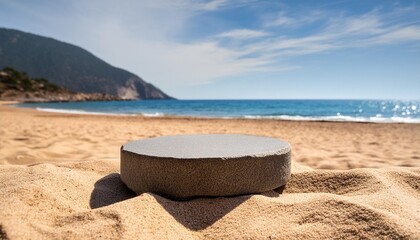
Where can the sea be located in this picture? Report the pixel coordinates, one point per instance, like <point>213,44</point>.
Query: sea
<point>387,111</point>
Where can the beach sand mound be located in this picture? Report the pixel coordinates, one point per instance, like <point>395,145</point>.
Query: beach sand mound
<point>88,200</point>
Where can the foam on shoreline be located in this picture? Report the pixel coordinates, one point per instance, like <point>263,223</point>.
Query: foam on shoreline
<point>53,110</point>
<point>340,119</point>
<point>280,117</point>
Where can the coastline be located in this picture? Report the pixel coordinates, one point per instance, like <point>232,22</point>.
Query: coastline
<point>9,102</point>
<point>278,118</point>
<point>145,108</point>
<point>59,178</point>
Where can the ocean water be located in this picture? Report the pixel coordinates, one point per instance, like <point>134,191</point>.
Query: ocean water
<point>315,110</point>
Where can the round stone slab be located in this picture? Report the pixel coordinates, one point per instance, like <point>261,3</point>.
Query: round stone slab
<point>186,166</point>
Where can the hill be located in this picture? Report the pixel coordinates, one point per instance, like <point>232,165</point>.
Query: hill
<point>70,66</point>
<point>18,86</point>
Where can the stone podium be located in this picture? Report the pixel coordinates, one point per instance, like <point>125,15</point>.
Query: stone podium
<point>209,165</point>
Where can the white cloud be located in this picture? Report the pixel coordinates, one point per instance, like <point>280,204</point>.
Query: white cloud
<point>150,49</point>
<point>189,64</point>
<point>410,33</point>
<point>369,23</point>
<point>157,57</point>
<point>243,34</point>
<point>339,32</point>
<point>282,19</point>
<point>212,5</point>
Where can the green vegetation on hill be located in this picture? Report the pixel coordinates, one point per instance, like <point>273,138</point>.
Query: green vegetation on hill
<point>70,66</point>
<point>11,79</point>
<point>18,86</point>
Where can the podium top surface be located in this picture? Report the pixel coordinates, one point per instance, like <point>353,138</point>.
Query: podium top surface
<point>208,146</point>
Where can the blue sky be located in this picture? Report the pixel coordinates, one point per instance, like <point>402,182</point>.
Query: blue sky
<point>243,49</point>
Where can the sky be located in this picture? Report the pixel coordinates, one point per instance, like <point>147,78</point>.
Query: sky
<point>243,49</point>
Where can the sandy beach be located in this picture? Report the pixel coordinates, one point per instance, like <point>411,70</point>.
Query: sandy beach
<point>59,178</point>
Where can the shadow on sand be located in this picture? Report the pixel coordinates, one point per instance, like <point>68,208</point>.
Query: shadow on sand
<point>109,190</point>
<point>199,213</point>
<point>195,214</point>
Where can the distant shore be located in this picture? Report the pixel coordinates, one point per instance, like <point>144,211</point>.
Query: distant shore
<point>57,98</point>
<point>18,86</point>
<point>363,111</point>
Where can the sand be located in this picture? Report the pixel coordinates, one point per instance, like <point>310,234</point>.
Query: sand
<point>59,178</point>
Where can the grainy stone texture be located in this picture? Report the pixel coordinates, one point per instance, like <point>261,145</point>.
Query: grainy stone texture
<point>188,166</point>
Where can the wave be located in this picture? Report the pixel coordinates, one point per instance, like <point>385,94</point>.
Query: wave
<point>81,112</point>
<point>157,114</point>
<point>338,119</point>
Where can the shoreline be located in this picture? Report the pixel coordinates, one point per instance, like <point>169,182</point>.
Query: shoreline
<point>9,102</point>
<point>258,118</point>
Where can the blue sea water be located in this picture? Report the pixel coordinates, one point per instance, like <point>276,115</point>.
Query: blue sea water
<point>316,110</point>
